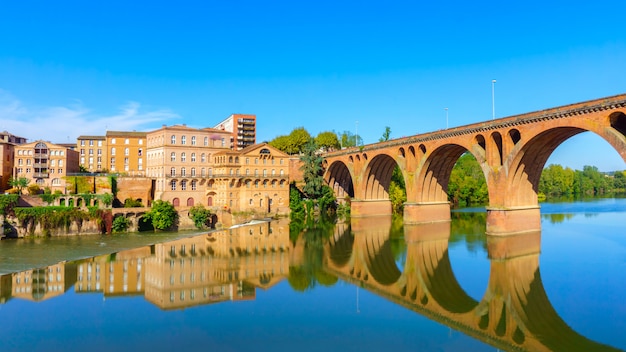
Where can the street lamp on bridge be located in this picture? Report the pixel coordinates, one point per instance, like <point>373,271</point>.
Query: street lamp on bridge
<point>493,100</point>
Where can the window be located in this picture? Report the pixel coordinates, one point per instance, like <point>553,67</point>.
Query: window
<point>112,151</point>
<point>173,156</point>
<point>173,172</point>
<point>125,161</point>
<point>99,151</point>
<point>173,185</point>
<point>247,172</point>
<point>193,185</point>
<point>126,151</point>
<point>183,185</point>
<point>281,161</point>
<point>19,161</point>
<point>193,172</point>
<point>202,158</point>
<point>183,157</point>
<point>82,152</point>
<point>112,161</point>
<point>264,173</point>
<point>112,140</point>
<point>193,157</point>
<point>256,161</point>
<point>140,152</point>
<point>247,161</point>
<point>183,172</point>
<point>273,172</point>
<point>141,142</point>
<point>183,140</point>
<point>202,172</point>
<point>193,140</point>
<point>206,141</point>
<point>99,143</point>
<point>282,172</point>
<point>60,162</point>
<point>173,139</point>
<point>223,142</point>
<point>256,172</point>
<point>90,151</point>
<point>126,141</point>
<point>82,143</point>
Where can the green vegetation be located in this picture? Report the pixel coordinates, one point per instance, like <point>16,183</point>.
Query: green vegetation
<point>201,216</point>
<point>19,183</point>
<point>132,203</point>
<point>51,217</point>
<point>163,215</point>
<point>467,185</point>
<point>292,143</point>
<point>120,224</point>
<point>559,182</point>
<point>328,141</point>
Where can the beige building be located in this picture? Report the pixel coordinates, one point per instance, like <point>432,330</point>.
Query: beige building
<point>93,152</point>
<point>253,179</point>
<point>45,164</point>
<point>126,152</point>
<point>242,128</point>
<point>179,159</point>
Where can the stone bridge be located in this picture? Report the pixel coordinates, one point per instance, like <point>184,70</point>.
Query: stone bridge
<point>514,313</point>
<point>511,151</point>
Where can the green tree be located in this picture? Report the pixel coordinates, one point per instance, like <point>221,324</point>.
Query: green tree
<point>386,135</point>
<point>347,139</point>
<point>312,170</point>
<point>163,215</point>
<point>107,199</point>
<point>293,143</point>
<point>201,216</point>
<point>467,185</point>
<point>327,141</point>
<point>19,183</point>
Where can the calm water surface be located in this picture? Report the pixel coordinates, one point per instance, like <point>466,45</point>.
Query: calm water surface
<point>366,286</point>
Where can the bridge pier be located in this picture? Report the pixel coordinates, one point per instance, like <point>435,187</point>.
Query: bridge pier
<point>420,213</point>
<point>516,245</point>
<point>513,220</point>
<point>359,208</point>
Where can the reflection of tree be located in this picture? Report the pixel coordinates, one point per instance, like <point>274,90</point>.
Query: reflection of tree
<point>315,235</point>
<point>396,236</point>
<point>470,228</point>
<point>557,218</point>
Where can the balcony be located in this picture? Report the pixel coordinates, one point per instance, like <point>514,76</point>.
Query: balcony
<point>41,175</point>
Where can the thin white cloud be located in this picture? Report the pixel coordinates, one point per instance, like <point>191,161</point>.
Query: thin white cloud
<point>62,124</point>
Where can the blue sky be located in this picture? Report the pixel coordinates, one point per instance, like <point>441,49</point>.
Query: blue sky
<point>72,68</point>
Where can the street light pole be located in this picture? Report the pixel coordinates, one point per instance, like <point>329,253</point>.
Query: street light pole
<point>446,109</point>
<point>493,99</point>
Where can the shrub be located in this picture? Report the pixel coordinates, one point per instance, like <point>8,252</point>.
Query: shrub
<point>120,224</point>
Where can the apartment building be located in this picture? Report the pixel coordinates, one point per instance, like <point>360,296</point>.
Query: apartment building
<point>45,163</point>
<point>242,128</point>
<point>126,152</point>
<point>93,152</point>
<point>179,158</point>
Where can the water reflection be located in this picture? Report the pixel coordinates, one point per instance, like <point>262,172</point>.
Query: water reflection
<point>408,265</point>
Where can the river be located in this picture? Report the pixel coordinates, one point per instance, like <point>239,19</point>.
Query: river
<point>368,285</point>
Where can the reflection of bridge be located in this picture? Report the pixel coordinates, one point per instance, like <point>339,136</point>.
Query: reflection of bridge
<point>511,151</point>
<point>514,313</point>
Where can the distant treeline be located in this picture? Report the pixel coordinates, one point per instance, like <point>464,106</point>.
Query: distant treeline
<point>467,185</point>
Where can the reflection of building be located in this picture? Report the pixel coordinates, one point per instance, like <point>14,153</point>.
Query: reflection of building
<point>122,276</point>
<point>44,283</point>
<point>219,266</point>
<point>6,288</point>
<point>46,164</point>
<point>180,158</point>
<point>242,129</point>
<point>255,178</point>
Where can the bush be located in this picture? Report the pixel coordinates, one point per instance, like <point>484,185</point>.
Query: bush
<point>201,216</point>
<point>132,203</point>
<point>163,215</point>
<point>120,224</point>
<point>34,189</point>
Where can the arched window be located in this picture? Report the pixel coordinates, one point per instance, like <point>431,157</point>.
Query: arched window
<point>183,185</point>
<point>193,185</point>
<point>193,140</point>
<point>175,202</point>
<point>183,157</point>
<point>206,141</point>
<point>173,140</point>
<point>193,157</point>
<point>202,158</point>
<point>183,172</point>
<point>193,172</point>
<point>173,172</point>
<point>183,140</point>
<point>126,151</point>
<point>190,202</point>
<point>173,156</point>
<point>173,185</point>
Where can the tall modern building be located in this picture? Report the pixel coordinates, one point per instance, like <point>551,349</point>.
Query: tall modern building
<point>242,128</point>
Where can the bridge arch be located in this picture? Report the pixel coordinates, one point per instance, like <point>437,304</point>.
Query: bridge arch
<point>339,178</point>
<point>377,177</point>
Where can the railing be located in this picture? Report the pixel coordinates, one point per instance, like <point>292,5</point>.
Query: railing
<point>41,175</point>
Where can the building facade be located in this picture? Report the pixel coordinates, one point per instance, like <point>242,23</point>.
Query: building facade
<point>253,179</point>
<point>179,159</point>
<point>242,128</point>
<point>93,152</point>
<point>7,153</point>
<point>45,164</point>
<point>126,152</point>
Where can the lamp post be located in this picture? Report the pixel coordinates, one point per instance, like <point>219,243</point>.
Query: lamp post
<point>493,99</point>
<point>446,109</point>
